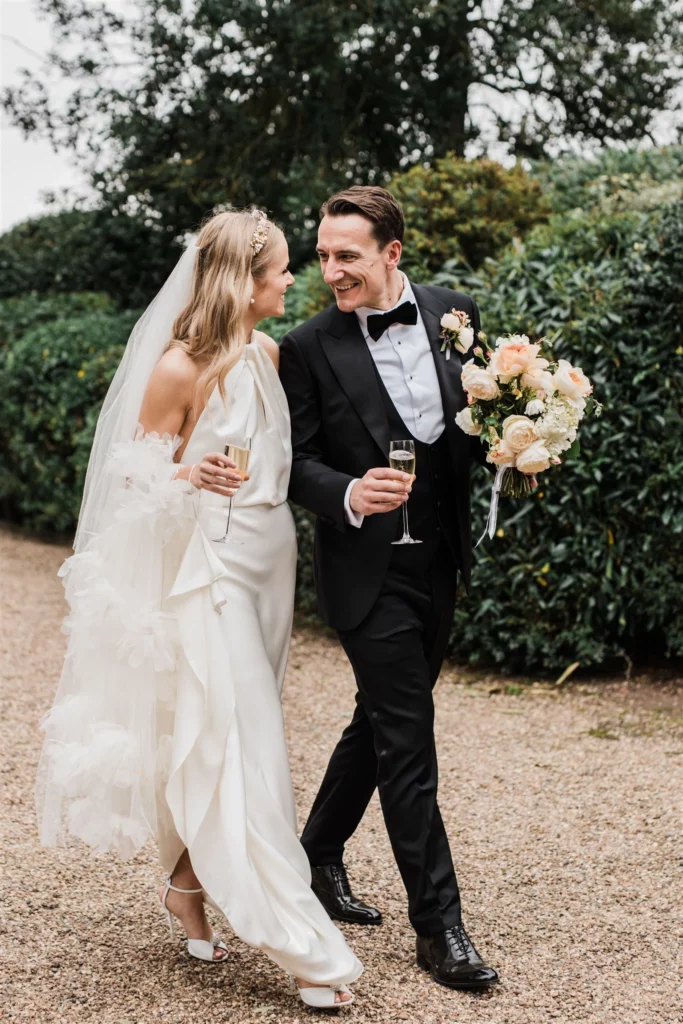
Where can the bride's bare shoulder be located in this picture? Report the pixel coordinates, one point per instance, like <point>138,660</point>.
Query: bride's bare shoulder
<point>269,345</point>
<point>176,366</point>
<point>176,373</point>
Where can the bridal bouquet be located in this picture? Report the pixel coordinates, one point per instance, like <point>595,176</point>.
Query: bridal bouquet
<point>526,408</point>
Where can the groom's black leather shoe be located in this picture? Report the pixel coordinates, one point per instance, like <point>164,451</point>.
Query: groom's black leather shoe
<point>452,960</point>
<point>330,884</point>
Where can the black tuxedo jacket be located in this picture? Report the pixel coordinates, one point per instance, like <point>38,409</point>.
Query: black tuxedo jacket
<point>340,431</point>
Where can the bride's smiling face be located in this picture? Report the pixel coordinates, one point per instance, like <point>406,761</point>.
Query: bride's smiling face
<point>269,289</point>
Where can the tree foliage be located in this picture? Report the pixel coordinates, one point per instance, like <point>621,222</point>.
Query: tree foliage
<point>182,104</point>
<point>87,251</point>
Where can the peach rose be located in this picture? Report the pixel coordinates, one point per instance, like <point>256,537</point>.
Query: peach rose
<point>534,459</point>
<point>478,382</point>
<point>571,381</point>
<point>515,356</point>
<point>518,432</point>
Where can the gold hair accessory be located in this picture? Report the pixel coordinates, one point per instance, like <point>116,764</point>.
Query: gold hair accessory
<point>260,236</point>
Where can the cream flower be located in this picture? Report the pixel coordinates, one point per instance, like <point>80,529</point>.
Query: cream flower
<point>534,459</point>
<point>535,407</point>
<point>466,423</point>
<point>478,382</point>
<point>465,339</point>
<point>518,432</point>
<point>451,322</point>
<point>515,356</point>
<point>571,381</point>
<point>501,455</point>
<point>539,380</point>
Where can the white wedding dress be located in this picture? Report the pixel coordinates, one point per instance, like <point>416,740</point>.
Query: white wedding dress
<point>168,719</point>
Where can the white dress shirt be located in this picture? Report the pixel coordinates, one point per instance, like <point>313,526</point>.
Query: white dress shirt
<point>405,362</point>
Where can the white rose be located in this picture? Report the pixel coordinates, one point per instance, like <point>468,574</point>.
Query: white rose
<point>451,322</point>
<point>534,459</point>
<point>465,339</point>
<point>571,381</point>
<point>535,407</point>
<point>518,432</point>
<point>466,423</point>
<point>478,382</point>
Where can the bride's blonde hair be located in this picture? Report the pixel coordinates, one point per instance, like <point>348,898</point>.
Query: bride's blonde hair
<point>211,326</point>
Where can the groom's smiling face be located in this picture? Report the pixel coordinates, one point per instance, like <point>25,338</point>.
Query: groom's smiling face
<point>357,270</point>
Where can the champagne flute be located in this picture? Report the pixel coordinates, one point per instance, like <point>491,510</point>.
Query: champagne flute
<point>402,457</point>
<point>240,456</point>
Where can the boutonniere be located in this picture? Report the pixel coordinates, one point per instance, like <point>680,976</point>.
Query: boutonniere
<point>456,332</point>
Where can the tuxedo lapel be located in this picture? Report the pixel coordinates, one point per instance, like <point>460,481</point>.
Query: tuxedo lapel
<point>448,371</point>
<point>348,355</point>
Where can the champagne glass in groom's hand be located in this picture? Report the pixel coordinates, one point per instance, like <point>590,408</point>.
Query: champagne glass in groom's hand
<point>402,457</point>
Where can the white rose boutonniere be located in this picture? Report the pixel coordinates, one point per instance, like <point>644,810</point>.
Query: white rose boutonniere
<point>456,332</point>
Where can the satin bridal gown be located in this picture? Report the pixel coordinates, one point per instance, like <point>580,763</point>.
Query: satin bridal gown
<point>196,754</point>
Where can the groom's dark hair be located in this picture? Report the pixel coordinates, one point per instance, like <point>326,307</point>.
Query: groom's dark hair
<point>375,204</point>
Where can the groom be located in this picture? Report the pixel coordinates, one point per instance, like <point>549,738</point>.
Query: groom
<point>364,372</point>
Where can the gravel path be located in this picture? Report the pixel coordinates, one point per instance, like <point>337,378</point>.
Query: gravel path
<point>563,813</point>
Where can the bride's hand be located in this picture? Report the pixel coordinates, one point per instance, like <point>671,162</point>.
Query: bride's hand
<point>217,473</point>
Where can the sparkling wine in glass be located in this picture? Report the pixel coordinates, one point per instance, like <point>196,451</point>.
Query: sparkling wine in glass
<point>402,457</point>
<point>239,454</point>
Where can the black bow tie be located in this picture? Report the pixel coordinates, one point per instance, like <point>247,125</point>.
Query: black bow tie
<point>378,323</point>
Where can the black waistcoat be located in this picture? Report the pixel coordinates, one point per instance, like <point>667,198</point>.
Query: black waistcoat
<point>432,511</point>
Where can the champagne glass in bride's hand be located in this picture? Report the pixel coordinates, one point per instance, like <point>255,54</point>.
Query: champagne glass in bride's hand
<point>402,457</point>
<point>239,454</point>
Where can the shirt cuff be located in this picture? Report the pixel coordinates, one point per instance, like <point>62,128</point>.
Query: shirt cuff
<point>352,518</point>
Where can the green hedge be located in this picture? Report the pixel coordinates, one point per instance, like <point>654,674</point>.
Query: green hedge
<point>53,379</point>
<point>591,568</point>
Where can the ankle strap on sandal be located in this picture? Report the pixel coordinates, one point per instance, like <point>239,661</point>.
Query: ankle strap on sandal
<point>175,888</point>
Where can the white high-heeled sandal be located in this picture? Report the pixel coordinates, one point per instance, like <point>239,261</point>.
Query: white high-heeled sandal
<point>322,997</point>
<point>201,949</point>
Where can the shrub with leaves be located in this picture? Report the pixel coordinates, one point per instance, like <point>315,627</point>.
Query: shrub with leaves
<point>591,567</point>
<point>464,209</point>
<point>53,380</point>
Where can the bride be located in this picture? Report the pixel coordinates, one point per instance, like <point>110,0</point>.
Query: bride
<point>167,721</point>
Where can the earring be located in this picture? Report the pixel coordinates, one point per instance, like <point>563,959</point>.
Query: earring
<point>252,301</point>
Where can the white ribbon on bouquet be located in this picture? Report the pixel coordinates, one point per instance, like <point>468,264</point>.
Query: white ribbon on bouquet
<point>492,520</point>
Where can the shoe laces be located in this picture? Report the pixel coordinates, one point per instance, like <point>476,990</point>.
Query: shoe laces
<point>341,880</point>
<point>458,942</point>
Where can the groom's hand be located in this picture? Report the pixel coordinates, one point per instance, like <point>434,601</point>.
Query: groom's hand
<point>380,490</point>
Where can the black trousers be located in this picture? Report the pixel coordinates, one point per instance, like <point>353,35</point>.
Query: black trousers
<point>396,654</point>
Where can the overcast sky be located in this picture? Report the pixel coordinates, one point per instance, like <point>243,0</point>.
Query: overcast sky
<point>27,166</point>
